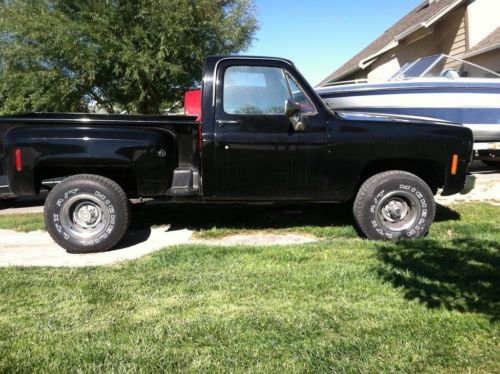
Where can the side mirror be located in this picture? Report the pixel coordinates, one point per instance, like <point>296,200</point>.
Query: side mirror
<point>292,111</point>
<point>292,108</point>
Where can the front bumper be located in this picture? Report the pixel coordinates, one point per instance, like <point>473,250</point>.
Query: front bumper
<point>470,183</point>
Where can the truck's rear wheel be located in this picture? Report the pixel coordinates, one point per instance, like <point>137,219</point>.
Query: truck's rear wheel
<point>394,205</point>
<point>87,213</point>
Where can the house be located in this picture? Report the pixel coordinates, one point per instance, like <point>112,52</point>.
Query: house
<point>466,29</point>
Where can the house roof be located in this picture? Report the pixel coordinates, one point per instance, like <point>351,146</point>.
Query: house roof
<point>491,42</point>
<point>424,15</point>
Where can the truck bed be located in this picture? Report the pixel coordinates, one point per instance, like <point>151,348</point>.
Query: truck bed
<point>183,126</point>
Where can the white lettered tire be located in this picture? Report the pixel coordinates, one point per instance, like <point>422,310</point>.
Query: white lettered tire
<point>87,213</point>
<point>394,205</point>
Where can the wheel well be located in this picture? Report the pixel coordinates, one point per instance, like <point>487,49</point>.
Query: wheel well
<point>124,177</point>
<point>431,172</point>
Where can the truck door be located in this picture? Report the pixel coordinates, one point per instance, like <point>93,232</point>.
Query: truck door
<point>258,154</point>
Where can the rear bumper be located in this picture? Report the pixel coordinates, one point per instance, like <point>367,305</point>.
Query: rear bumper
<point>470,183</point>
<point>487,151</point>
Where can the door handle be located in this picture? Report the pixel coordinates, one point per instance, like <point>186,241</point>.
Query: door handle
<point>223,122</point>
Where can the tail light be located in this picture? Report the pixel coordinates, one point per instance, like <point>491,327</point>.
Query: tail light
<point>19,160</point>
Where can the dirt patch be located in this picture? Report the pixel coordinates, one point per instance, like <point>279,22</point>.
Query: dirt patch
<point>259,239</point>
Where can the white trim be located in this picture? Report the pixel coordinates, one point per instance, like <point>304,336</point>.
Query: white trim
<point>481,51</point>
<point>441,14</point>
<point>486,145</point>
<point>362,64</point>
<point>347,72</point>
<point>409,31</point>
<point>416,100</point>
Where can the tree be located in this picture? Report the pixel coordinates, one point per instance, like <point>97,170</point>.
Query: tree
<point>140,55</point>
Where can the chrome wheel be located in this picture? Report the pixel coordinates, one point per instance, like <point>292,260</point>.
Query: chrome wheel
<point>84,216</point>
<point>397,211</point>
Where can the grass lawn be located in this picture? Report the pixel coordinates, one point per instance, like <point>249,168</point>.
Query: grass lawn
<point>22,222</point>
<point>342,304</point>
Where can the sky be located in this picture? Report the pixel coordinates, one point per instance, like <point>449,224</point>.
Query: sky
<point>320,35</point>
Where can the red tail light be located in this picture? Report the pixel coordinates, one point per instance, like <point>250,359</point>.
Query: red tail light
<point>19,160</point>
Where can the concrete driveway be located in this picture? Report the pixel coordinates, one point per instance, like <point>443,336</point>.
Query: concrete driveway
<point>38,249</point>
<point>487,187</point>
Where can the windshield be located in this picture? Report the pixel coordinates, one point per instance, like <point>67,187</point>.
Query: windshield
<point>442,66</point>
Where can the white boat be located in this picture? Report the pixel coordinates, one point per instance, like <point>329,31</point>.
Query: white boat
<point>436,86</point>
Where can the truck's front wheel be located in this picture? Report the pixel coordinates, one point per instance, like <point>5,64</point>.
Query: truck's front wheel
<point>394,205</point>
<point>87,213</point>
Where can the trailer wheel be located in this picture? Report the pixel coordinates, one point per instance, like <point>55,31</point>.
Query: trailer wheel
<point>87,213</point>
<point>394,205</point>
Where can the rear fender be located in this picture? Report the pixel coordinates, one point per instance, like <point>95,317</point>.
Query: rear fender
<point>148,154</point>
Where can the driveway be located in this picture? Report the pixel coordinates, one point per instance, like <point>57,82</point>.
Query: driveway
<point>487,187</point>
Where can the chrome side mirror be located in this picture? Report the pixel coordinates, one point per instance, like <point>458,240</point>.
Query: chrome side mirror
<point>292,108</point>
<point>292,111</point>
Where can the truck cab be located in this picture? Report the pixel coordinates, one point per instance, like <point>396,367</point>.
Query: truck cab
<point>263,132</point>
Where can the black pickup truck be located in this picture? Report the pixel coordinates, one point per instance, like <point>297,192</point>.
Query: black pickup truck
<point>263,135</point>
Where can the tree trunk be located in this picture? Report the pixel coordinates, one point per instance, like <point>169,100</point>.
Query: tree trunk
<point>148,101</point>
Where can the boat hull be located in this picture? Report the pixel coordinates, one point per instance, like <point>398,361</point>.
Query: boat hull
<point>475,106</point>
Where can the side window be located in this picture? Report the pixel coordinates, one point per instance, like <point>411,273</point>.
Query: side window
<point>300,96</point>
<point>254,90</point>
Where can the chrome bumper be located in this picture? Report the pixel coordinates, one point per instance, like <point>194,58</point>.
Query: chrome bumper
<point>470,183</point>
<point>487,151</point>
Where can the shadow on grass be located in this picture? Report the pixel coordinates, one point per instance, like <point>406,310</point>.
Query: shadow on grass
<point>252,217</point>
<point>461,274</point>
<point>241,216</point>
<point>133,237</point>
<point>443,213</point>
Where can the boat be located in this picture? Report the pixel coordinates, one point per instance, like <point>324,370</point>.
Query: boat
<point>437,86</point>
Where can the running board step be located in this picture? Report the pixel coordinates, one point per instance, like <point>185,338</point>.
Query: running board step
<point>185,182</point>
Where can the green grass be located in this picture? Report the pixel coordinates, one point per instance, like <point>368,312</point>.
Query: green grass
<point>342,304</point>
<point>22,222</point>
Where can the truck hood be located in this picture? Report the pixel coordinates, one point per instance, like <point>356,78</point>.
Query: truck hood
<point>386,117</point>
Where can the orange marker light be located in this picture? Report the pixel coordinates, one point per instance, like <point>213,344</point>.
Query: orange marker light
<point>454,164</point>
<point>19,160</point>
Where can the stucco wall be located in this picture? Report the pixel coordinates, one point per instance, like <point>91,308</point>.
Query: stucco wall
<point>483,17</point>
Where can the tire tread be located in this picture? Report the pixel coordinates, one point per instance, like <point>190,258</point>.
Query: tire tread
<point>114,187</point>
<point>369,186</point>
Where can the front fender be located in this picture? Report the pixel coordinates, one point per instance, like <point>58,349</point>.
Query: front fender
<point>149,153</point>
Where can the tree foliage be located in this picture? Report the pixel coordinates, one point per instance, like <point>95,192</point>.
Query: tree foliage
<point>140,55</point>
